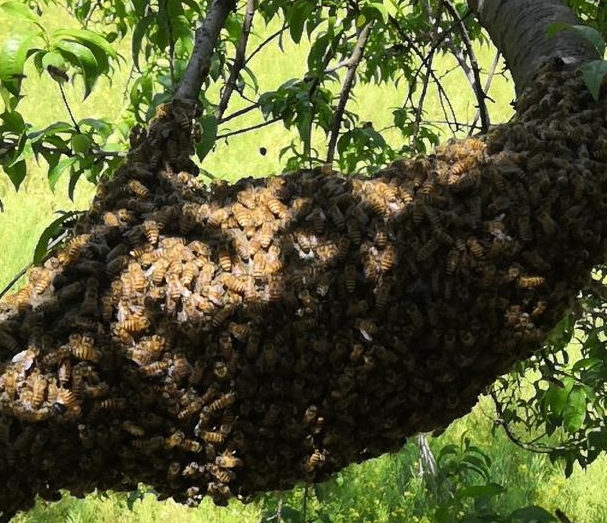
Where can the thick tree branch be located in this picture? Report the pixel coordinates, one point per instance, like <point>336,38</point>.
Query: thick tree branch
<point>239,59</point>
<point>355,59</point>
<point>205,41</point>
<point>518,29</point>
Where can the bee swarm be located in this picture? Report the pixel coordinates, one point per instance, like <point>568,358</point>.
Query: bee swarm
<point>228,340</point>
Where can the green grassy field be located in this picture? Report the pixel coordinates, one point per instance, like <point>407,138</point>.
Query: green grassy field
<point>386,489</point>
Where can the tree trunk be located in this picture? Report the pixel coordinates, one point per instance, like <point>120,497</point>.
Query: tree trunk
<point>221,342</point>
<point>518,29</point>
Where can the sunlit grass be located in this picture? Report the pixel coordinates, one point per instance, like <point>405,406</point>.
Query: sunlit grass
<point>386,489</point>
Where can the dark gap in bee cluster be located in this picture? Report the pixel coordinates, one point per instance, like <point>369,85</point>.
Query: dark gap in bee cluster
<point>240,338</point>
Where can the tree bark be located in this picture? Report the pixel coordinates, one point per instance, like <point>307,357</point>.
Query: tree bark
<point>518,29</point>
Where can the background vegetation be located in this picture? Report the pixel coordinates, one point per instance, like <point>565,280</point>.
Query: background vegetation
<point>480,472</point>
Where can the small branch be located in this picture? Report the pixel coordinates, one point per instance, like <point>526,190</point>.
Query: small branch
<point>171,45</point>
<point>87,20</point>
<point>238,113</point>
<point>492,71</point>
<point>344,96</point>
<point>205,41</point>
<point>420,104</point>
<point>247,129</point>
<point>478,89</point>
<point>265,42</point>
<point>67,106</point>
<point>239,59</point>
<point>17,277</point>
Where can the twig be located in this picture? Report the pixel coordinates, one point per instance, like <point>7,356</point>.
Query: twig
<point>247,129</point>
<point>239,59</point>
<point>492,71</point>
<point>420,55</point>
<point>478,89</point>
<point>10,284</point>
<point>238,113</point>
<point>355,59</point>
<point>90,13</point>
<point>205,40</point>
<point>171,45</point>
<point>69,110</point>
<point>420,104</point>
<point>265,42</point>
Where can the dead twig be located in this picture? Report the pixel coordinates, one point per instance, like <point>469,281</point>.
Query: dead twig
<point>239,59</point>
<point>355,59</point>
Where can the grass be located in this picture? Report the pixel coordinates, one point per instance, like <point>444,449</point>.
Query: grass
<point>387,489</point>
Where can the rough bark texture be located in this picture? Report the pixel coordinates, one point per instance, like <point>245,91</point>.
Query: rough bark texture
<point>205,39</point>
<point>518,29</point>
<point>225,341</point>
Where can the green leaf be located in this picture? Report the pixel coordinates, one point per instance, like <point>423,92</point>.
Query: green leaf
<point>209,135</point>
<point>531,514</point>
<point>16,173</point>
<point>21,11</point>
<point>589,33</point>
<point>83,58</point>
<point>55,173</point>
<point>574,412</point>
<point>12,60</point>
<point>98,45</point>
<point>298,15</point>
<point>593,73</point>
<point>476,491</point>
<point>138,34</point>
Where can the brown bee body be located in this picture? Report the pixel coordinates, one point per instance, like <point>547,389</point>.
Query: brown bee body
<point>531,282</point>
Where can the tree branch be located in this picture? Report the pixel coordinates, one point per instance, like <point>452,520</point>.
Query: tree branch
<point>429,71</point>
<point>239,59</point>
<point>496,61</point>
<point>476,77</point>
<point>247,129</point>
<point>355,59</point>
<point>205,41</point>
<point>266,42</point>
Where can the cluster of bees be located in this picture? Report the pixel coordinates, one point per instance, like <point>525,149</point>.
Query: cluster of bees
<point>232,339</point>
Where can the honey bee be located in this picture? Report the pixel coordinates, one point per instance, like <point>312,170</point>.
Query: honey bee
<point>524,228</point>
<point>82,347</point>
<point>68,398</point>
<point>223,402</point>
<point>225,260</point>
<point>156,368</point>
<point>148,445</point>
<point>277,208</point>
<point>39,387</point>
<point>240,331</point>
<point>41,279</point>
<point>221,316</point>
<point>74,247</point>
<point>190,271</point>
<point>315,460</point>
<point>475,247</point>
<point>116,265</point>
<point>228,460</point>
<point>151,229</point>
<point>213,437</point>
<point>531,282</point>
<point>417,318</point>
<point>427,250</point>
<point>159,271</point>
<point>138,189</point>
<point>388,258</point>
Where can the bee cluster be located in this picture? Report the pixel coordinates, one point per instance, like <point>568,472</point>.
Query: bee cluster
<point>231,339</point>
